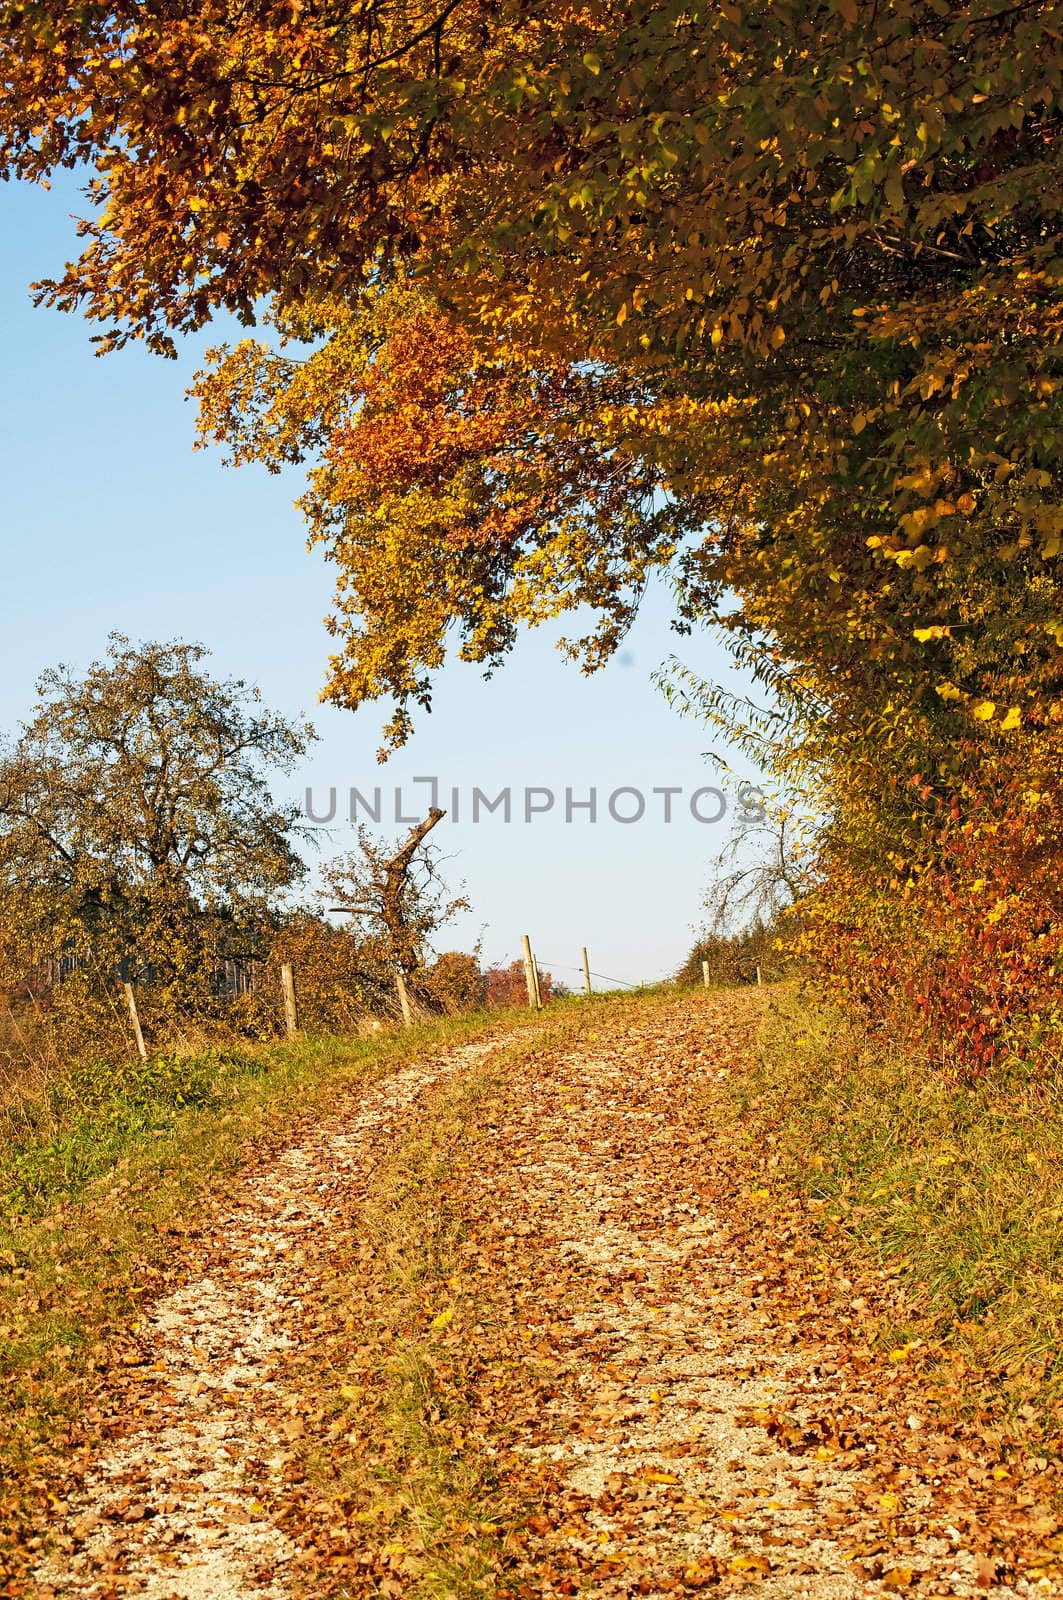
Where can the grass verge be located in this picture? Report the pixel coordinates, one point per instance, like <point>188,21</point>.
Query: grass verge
<point>952,1191</point>
<point>406,1465</point>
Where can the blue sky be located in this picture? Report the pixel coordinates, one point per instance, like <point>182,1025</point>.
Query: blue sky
<point>111,522</point>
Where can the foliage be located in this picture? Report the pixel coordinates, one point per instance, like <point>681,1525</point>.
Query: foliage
<point>766,295</point>
<point>865,399</point>
<point>951,901</point>
<point>454,983</point>
<point>733,957</point>
<point>138,834</point>
<point>341,977</point>
<point>455,488</point>
<point>508,986</point>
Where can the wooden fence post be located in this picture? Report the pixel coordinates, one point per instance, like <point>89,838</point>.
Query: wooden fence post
<point>291,1013</point>
<point>134,1017</point>
<point>705,973</point>
<point>759,978</point>
<point>538,986</point>
<point>529,971</point>
<point>586,972</point>
<point>404,998</point>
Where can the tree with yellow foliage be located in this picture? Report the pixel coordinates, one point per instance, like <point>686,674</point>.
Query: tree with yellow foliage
<point>767,296</point>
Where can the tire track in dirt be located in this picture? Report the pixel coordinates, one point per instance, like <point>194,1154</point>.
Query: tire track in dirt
<point>691,1440</point>
<point>170,1510</point>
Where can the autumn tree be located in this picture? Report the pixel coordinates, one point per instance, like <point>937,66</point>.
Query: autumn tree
<point>804,237</point>
<point>508,986</point>
<point>138,831</point>
<point>455,983</point>
<point>767,296</point>
<point>397,896</point>
<point>808,248</point>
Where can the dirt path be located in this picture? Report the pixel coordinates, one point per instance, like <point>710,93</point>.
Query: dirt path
<point>682,1421</point>
<point>171,1510</point>
<point>710,1427</point>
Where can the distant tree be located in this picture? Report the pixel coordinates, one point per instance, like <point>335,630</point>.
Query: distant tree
<point>759,872</point>
<point>398,896</point>
<point>137,825</point>
<point>455,983</point>
<point>508,986</point>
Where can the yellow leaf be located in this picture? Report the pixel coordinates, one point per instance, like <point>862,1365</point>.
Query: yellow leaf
<point>1012,720</point>
<point>750,1564</point>
<point>984,711</point>
<point>443,1318</point>
<point>898,1578</point>
<point>889,1504</point>
<point>660,1477</point>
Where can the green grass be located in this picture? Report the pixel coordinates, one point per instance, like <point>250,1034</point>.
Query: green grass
<point>954,1190</point>
<point>76,1126</point>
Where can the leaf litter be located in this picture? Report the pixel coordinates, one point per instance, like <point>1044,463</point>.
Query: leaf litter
<point>675,1390</point>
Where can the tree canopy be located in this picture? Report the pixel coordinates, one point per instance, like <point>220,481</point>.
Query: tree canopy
<point>767,295</point>
<point>135,807</point>
<point>793,266</point>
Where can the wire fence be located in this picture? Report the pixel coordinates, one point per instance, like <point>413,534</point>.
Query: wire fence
<point>568,966</point>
